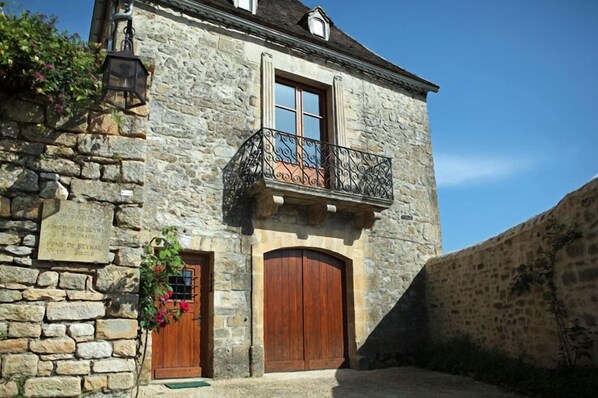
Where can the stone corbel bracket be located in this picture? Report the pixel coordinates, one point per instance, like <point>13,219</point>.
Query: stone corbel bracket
<point>366,219</point>
<point>318,213</point>
<point>267,204</point>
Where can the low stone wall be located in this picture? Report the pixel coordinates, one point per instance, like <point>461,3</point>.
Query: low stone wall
<point>468,292</point>
<point>67,328</point>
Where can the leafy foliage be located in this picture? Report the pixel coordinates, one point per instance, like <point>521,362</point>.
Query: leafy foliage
<point>37,59</point>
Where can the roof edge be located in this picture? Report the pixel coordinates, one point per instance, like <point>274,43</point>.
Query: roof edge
<point>210,13</point>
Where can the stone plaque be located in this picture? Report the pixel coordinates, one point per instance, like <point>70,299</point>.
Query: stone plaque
<point>77,232</point>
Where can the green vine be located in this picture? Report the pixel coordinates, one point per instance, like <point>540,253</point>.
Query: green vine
<point>575,340</point>
<point>36,59</point>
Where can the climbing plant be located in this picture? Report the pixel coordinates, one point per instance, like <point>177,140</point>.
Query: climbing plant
<point>575,339</point>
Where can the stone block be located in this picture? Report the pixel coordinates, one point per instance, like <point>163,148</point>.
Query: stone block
<point>24,329</point>
<point>30,240</point>
<point>9,129</point>
<point>129,217</point>
<point>9,239</point>
<point>133,172</point>
<point>54,330</point>
<point>73,367</point>
<point>17,178</point>
<point>54,190</point>
<point>107,192</point>
<point>81,329</point>
<point>27,226</point>
<point>21,147</point>
<point>45,368</point>
<point>76,123</point>
<point>95,382</point>
<point>63,167</point>
<point>10,274</point>
<point>124,348</point>
<point>91,170</point>
<point>34,133</point>
<point>4,207</point>
<point>121,381</point>
<point>125,237</point>
<point>117,279</point>
<point>19,365</point>
<point>113,365</point>
<point>22,312</point>
<point>13,345</point>
<point>32,294</point>
<point>85,295</point>
<point>128,257</point>
<point>60,386</point>
<point>10,296</point>
<point>94,349</point>
<point>61,345</point>
<point>123,306</point>
<point>111,172</point>
<point>47,279</point>
<point>26,207</point>
<point>56,357</point>
<point>9,389</point>
<point>5,258</point>
<point>75,311</point>
<point>18,250</point>
<point>112,329</point>
<point>72,281</point>
<point>23,111</point>
<point>125,148</point>
<point>103,123</point>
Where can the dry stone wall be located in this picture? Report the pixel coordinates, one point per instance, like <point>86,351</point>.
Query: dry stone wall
<point>468,291</point>
<point>67,328</point>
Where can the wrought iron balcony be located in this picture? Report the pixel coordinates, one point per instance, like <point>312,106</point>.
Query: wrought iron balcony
<point>307,170</point>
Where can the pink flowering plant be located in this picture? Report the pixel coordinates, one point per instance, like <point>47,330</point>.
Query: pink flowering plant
<point>161,260</point>
<point>36,59</point>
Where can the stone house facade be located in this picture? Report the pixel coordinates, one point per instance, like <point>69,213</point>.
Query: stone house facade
<point>297,166</point>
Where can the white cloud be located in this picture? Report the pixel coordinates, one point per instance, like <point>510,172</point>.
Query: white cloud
<point>459,170</point>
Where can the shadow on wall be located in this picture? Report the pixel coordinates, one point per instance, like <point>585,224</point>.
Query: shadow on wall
<point>401,334</point>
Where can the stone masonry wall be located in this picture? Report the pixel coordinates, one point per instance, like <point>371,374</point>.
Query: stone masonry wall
<point>67,328</point>
<point>206,100</point>
<point>468,291</point>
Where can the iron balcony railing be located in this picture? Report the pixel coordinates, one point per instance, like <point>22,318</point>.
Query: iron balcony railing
<point>273,155</point>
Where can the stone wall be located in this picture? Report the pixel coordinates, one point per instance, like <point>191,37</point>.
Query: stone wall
<point>67,328</point>
<point>206,101</point>
<point>468,291</point>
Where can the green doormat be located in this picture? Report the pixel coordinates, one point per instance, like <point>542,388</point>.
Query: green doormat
<point>191,384</point>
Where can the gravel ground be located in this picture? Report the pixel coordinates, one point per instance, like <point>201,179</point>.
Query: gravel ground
<point>405,382</point>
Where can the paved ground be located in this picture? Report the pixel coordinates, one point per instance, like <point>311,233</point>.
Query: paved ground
<point>405,382</point>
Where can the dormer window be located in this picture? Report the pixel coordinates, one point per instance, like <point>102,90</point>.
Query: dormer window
<point>318,23</point>
<point>247,5</point>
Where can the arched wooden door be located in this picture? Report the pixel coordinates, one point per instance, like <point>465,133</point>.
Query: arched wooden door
<point>304,311</point>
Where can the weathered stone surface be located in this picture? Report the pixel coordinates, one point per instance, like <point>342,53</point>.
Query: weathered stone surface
<point>91,170</point>
<point>125,348</point>
<point>112,329</point>
<point>18,250</point>
<point>28,226</point>
<point>94,349</point>
<point>85,295</point>
<point>17,178</point>
<point>117,279</point>
<point>128,257</point>
<point>125,237</point>
<point>54,330</point>
<point>76,123</point>
<point>32,294</point>
<point>122,381</point>
<point>54,190</point>
<point>22,111</point>
<point>56,357</point>
<point>22,312</point>
<point>30,240</point>
<point>123,306</point>
<point>107,192</point>
<point>111,172</point>
<point>73,367</point>
<point>73,281</point>
<point>4,207</point>
<point>95,382</point>
<point>10,296</point>
<point>26,207</point>
<point>13,345</point>
<point>35,133</point>
<point>24,329</point>
<point>113,365</point>
<point>129,217</point>
<point>19,365</point>
<point>133,172</point>
<point>63,345</point>
<point>64,386</point>
<point>10,274</point>
<point>113,146</point>
<point>5,258</point>
<point>81,329</point>
<point>60,166</point>
<point>75,311</point>
<point>47,279</point>
<point>45,368</point>
<point>103,123</point>
<point>9,239</point>
<point>9,129</point>
<point>21,147</point>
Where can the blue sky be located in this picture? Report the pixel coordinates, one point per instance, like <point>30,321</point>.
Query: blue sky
<point>515,124</point>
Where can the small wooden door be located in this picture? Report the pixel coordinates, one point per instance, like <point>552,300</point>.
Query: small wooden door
<point>304,311</point>
<point>178,350</point>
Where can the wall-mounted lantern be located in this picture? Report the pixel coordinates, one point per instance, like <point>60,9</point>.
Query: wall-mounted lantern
<point>124,73</point>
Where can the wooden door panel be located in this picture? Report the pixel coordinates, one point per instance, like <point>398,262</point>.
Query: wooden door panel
<point>177,349</point>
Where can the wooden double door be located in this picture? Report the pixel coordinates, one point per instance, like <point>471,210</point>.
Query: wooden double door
<point>304,311</point>
<point>179,350</point>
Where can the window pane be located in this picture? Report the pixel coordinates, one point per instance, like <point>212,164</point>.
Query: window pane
<point>311,103</point>
<point>312,128</point>
<point>245,4</point>
<point>318,27</point>
<point>182,286</point>
<point>285,121</point>
<point>285,96</point>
